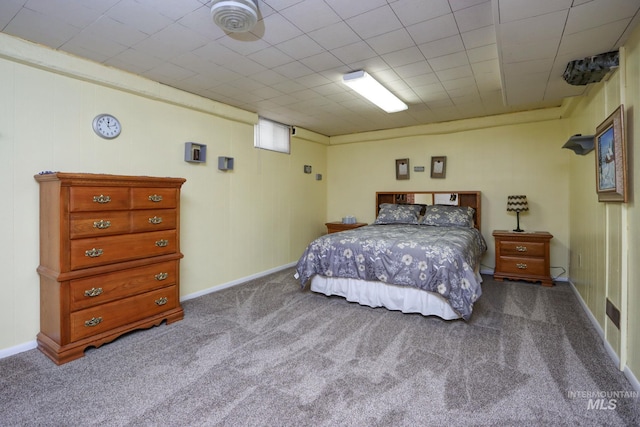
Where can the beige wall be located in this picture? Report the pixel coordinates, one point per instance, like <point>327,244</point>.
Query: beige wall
<point>517,158</point>
<point>606,235</point>
<point>235,224</point>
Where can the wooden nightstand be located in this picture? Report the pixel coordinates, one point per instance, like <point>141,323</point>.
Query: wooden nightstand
<point>334,227</point>
<point>523,256</point>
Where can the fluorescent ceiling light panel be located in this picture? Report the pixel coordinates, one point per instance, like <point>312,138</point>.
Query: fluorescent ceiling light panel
<point>368,87</point>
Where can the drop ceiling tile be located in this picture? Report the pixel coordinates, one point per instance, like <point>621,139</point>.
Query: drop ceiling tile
<point>74,12</point>
<point>172,9</point>
<point>529,67</point>
<point>457,73</point>
<point>433,29</point>
<point>108,28</point>
<point>441,47</point>
<point>603,11</point>
<point>349,9</point>
<point>463,4</point>
<point>9,9</point>
<point>449,61</point>
<point>179,38</point>
<point>334,36</point>
<point>375,22</point>
<point>422,80</point>
<point>403,57</point>
<point>134,61</point>
<point>322,62</point>
<point>483,53</point>
<point>98,49</point>
<point>268,77</point>
<point>413,11</point>
<point>167,72</point>
<point>354,52</point>
<point>39,28</point>
<point>515,10</point>
<point>313,80</point>
<point>277,29</point>
<point>244,47</point>
<point>293,70</point>
<point>143,17</point>
<point>271,57</point>
<point>536,49</point>
<point>413,69</point>
<point>464,82</point>
<point>299,15</point>
<point>244,66</point>
<point>391,42</point>
<point>479,37</point>
<point>549,26</point>
<point>594,41</point>
<point>474,17</point>
<point>300,47</point>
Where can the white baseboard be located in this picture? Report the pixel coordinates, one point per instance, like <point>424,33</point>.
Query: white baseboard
<point>18,349</point>
<point>614,357</point>
<point>236,282</point>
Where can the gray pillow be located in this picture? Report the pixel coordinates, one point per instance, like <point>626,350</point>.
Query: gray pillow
<point>448,216</point>
<point>398,214</point>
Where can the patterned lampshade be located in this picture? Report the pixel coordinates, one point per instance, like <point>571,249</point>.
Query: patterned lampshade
<point>517,204</point>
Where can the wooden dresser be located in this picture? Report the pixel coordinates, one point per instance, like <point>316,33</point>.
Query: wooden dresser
<point>109,258</point>
<point>523,256</point>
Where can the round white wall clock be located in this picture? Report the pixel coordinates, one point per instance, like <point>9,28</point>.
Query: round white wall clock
<point>106,126</point>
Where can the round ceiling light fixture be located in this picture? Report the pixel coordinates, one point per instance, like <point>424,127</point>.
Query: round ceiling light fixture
<point>236,16</point>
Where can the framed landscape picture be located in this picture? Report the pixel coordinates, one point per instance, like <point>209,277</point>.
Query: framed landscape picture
<point>611,158</point>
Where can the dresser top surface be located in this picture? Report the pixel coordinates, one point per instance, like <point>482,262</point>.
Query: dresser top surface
<point>522,234</point>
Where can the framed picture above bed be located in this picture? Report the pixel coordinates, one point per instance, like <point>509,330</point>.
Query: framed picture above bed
<point>402,168</point>
<point>611,158</point>
<point>438,166</point>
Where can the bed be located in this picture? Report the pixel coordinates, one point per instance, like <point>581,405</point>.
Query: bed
<point>421,255</point>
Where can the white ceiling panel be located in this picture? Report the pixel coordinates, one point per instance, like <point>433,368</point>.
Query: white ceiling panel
<point>448,59</point>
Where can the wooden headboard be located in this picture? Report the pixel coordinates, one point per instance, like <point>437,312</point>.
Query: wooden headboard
<point>463,198</point>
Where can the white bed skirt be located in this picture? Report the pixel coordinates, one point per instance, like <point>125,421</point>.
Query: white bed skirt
<point>378,294</point>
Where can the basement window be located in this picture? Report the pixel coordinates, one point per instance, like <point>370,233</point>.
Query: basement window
<point>270,135</point>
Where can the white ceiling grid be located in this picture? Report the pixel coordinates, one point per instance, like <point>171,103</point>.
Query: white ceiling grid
<point>447,59</point>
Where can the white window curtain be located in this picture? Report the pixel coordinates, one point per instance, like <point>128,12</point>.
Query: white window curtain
<point>270,135</point>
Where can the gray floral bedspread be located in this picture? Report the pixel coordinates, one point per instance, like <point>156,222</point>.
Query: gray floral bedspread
<point>436,259</point>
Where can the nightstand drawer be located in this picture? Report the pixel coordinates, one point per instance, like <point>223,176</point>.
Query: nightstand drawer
<point>523,256</point>
<point>515,265</point>
<point>526,249</point>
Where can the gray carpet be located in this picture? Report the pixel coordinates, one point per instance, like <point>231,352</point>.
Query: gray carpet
<point>266,353</point>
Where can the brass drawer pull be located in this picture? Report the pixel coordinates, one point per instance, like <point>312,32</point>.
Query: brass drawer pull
<point>521,266</point>
<point>155,198</point>
<point>93,292</point>
<point>155,220</point>
<point>162,243</point>
<point>102,224</point>
<point>102,199</point>
<point>162,301</point>
<point>161,276</point>
<point>93,253</point>
<point>95,321</point>
<point>521,248</point>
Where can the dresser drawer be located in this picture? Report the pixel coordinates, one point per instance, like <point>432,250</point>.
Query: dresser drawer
<point>94,224</point>
<point>95,290</point>
<point>96,251</point>
<point>154,198</point>
<point>150,220</point>
<point>98,198</point>
<point>526,249</point>
<point>524,266</point>
<point>104,317</point>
